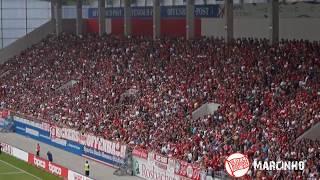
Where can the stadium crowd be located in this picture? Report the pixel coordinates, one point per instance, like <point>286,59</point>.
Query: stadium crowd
<point>142,93</point>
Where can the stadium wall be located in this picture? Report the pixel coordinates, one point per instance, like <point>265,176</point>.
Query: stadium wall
<point>68,25</point>
<point>173,22</point>
<point>26,41</point>
<point>35,37</point>
<point>313,133</point>
<point>257,28</point>
<point>290,28</point>
<point>302,28</point>
<point>297,21</point>
<point>143,26</point>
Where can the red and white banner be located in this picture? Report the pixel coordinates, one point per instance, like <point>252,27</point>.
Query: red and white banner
<point>48,166</point>
<point>53,132</point>
<point>76,176</point>
<point>18,153</point>
<point>141,153</point>
<point>101,144</point>
<point>7,148</point>
<point>4,113</point>
<point>148,170</point>
<point>157,166</point>
<point>154,167</point>
<point>188,170</point>
<point>161,159</point>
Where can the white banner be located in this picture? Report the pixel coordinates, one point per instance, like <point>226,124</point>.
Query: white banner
<point>76,176</point>
<point>13,151</point>
<point>32,132</point>
<point>89,140</point>
<point>154,168</point>
<point>7,148</point>
<point>44,126</point>
<point>18,153</point>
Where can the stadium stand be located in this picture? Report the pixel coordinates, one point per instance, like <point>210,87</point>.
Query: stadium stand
<point>141,92</point>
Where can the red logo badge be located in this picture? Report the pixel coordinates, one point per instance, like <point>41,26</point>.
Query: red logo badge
<point>237,165</point>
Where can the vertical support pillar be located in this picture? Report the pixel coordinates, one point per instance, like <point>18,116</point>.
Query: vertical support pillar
<point>274,21</point>
<point>156,19</point>
<point>58,17</point>
<point>127,18</point>
<point>228,6</point>
<point>79,18</point>
<point>190,19</point>
<point>53,2</point>
<point>1,27</point>
<point>26,4</point>
<point>102,16</point>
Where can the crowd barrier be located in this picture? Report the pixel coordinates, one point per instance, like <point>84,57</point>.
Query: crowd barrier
<point>44,164</point>
<point>82,144</point>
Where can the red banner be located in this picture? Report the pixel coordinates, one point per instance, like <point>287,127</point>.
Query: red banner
<point>162,159</point>
<point>4,114</point>
<point>48,166</point>
<point>141,153</point>
<point>188,170</point>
